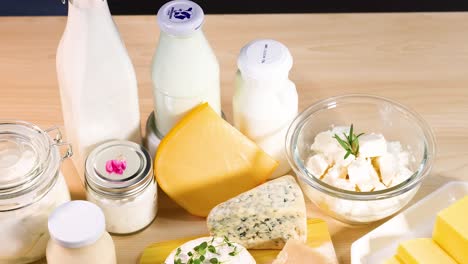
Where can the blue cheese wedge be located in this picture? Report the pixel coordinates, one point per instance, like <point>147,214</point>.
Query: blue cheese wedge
<point>265,217</point>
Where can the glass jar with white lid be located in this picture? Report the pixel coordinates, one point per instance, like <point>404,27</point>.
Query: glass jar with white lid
<point>119,179</point>
<point>31,187</point>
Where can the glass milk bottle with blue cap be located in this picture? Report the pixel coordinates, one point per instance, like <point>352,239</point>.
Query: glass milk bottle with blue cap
<point>185,70</point>
<point>265,100</point>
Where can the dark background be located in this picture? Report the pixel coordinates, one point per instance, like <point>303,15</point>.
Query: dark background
<point>150,7</point>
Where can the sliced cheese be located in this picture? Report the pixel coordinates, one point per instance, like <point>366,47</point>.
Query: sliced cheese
<point>204,161</point>
<point>422,251</point>
<point>264,217</point>
<point>296,252</point>
<point>451,230</point>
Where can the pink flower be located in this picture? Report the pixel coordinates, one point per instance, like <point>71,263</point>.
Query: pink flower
<point>116,166</point>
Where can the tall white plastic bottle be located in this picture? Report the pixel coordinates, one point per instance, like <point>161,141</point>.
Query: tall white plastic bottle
<point>97,81</point>
<point>185,70</point>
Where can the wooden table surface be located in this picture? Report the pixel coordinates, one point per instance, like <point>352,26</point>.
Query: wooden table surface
<point>419,59</point>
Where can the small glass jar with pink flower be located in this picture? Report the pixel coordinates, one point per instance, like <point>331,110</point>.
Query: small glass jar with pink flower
<point>119,179</point>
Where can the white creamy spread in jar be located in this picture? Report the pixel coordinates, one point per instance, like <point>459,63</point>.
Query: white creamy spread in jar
<point>127,215</point>
<point>119,179</point>
<point>31,187</point>
<point>24,230</point>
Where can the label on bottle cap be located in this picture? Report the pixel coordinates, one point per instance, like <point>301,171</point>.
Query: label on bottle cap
<point>180,17</point>
<point>264,59</point>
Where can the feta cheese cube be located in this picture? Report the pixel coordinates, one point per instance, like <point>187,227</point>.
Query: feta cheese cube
<point>403,174</point>
<point>337,172</point>
<point>325,143</point>
<point>388,167</point>
<point>362,174</point>
<point>317,165</point>
<point>394,147</point>
<point>372,145</point>
<point>339,183</point>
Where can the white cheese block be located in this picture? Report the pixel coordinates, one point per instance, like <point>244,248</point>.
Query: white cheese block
<point>325,143</point>
<point>242,256</point>
<point>388,167</point>
<point>372,145</point>
<point>264,217</point>
<point>362,174</point>
<point>317,165</point>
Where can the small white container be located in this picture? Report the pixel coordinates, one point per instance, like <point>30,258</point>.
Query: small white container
<point>265,100</point>
<point>185,71</point>
<point>119,179</point>
<point>31,187</point>
<point>78,235</point>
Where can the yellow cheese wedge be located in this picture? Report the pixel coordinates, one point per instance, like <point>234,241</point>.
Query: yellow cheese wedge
<point>204,161</point>
<point>422,251</point>
<point>317,237</point>
<point>393,260</point>
<point>451,230</point>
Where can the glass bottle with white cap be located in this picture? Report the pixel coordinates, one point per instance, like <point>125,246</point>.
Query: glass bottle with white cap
<point>265,100</point>
<point>185,71</point>
<point>119,179</point>
<point>78,235</point>
<point>31,187</point>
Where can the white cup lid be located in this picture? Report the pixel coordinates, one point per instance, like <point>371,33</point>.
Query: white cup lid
<point>180,17</point>
<point>76,224</point>
<point>265,59</point>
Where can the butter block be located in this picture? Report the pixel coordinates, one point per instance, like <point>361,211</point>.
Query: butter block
<point>422,251</point>
<point>393,260</point>
<point>451,230</point>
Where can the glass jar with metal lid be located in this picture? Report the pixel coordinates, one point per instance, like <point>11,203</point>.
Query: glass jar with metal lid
<point>31,187</point>
<point>119,179</point>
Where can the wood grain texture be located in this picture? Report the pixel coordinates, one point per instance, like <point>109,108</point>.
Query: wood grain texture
<point>419,59</point>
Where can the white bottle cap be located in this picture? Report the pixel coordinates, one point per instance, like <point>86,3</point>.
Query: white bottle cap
<point>180,17</point>
<point>76,224</point>
<point>265,59</point>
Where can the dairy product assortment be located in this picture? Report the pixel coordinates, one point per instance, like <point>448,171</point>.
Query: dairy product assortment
<point>234,175</point>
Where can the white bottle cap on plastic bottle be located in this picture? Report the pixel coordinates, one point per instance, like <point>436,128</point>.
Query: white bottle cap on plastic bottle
<point>265,59</point>
<point>180,17</point>
<point>76,224</point>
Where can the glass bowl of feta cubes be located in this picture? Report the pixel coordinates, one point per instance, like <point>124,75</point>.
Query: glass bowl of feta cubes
<point>360,158</point>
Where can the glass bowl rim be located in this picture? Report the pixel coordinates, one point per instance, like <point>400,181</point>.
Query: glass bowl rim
<point>303,174</point>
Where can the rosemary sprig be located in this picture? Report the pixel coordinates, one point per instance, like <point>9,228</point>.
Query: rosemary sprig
<point>350,143</point>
